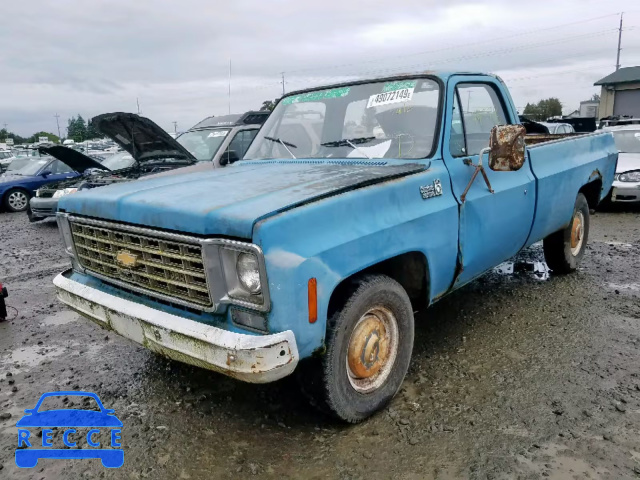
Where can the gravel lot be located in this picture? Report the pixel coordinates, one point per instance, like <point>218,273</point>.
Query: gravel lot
<point>517,375</point>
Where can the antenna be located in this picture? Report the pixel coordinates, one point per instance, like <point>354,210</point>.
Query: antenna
<point>138,103</point>
<point>619,43</point>
<point>175,127</point>
<point>229,85</point>
<point>283,84</point>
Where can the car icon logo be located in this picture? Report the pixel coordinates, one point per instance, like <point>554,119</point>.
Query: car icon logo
<point>72,423</point>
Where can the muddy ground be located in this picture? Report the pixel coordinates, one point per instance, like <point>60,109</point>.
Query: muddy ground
<point>515,376</point>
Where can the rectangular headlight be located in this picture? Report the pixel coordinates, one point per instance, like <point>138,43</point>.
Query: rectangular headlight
<point>244,274</point>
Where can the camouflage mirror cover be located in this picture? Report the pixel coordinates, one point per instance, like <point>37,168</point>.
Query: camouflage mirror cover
<point>507,148</point>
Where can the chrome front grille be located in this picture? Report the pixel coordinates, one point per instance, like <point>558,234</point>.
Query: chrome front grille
<point>171,268</point>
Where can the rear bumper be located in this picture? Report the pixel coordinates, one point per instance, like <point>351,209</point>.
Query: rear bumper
<point>43,207</point>
<point>251,358</point>
<point>625,192</point>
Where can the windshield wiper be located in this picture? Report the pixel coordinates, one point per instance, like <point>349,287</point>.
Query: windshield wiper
<point>350,142</point>
<point>283,143</point>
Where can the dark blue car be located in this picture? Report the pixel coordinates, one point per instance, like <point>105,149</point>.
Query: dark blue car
<point>21,180</point>
<point>28,452</point>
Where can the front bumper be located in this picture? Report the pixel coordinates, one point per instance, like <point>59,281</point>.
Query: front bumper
<point>625,192</point>
<point>43,207</point>
<point>251,358</point>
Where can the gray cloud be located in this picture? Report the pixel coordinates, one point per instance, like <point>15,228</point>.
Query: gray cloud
<point>84,57</point>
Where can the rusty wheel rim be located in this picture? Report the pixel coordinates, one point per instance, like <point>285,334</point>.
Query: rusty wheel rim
<point>372,350</point>
<point>577,233</point>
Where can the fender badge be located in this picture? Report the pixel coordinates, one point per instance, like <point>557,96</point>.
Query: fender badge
<point>127,259</point>
<point>429,191</point>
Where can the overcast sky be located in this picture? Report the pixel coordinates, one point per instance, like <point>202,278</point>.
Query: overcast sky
<point>96,56</point>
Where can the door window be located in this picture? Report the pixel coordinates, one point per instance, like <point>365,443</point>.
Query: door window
<point>57,167</point>
<point>481,111</point>
<point>240,144</point>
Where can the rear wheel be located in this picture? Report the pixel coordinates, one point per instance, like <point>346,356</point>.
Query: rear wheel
<point>16,200</point>
<point>563,250</point>
<point>369,343</point>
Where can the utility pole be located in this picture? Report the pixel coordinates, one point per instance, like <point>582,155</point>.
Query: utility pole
<point>175,127</point>
<point>138,103</point>
<point>58,123</point>
<point>619,43</point>
<point>283,84</point>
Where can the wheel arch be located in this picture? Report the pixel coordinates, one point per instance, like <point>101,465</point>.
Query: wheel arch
<point>592,192</point>
<point>409,269</point>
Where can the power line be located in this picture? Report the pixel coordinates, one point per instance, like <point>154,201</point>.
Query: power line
<point>453,47</point>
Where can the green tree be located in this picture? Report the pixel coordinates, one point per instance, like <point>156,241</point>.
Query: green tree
<point>268,105</point>
<point>77,129</point>
<point>36,137</point>
<point>92,132</point>
<point>544,109</point>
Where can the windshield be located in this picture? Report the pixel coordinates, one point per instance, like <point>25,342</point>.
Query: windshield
<point>203,144</point>
<point>393,119</point>
<point>627,141</point>
<point>27,166</point>
<point>118,161</point>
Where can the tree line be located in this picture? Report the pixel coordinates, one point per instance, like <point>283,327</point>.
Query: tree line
<point>77,129</point>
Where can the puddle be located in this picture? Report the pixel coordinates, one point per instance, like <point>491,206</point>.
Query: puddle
<point>32,355</point>
<point>537,270</point>
<point>61,318</point>
<point>620,244</point>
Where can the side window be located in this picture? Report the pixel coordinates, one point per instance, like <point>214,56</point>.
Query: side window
<point>241,142</point>
<point>482,110</point>
<point>457,144</point>
<point>58,167</point>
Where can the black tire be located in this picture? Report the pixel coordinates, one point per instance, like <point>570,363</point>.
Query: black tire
<point>10,202</point>
<point>328,381</point>
<point>559,253</point>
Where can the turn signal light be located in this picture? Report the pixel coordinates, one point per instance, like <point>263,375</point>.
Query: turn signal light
<point>313,300</point>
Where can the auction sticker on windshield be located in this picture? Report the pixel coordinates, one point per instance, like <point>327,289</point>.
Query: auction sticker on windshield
<point>394,96</point>
<point>318,95</point>
<point>218,133</point>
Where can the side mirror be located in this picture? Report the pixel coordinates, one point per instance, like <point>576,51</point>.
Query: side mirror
<point>46,173</point>
<point>506,148</point>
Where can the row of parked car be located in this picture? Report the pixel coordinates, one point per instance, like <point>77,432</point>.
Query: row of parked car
<point>36,182</point>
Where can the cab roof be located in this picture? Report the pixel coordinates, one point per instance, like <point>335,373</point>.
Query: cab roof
<point>234,120</point>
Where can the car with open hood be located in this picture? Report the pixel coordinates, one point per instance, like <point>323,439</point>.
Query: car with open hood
<point>26,174</point>
<point>147,150</point>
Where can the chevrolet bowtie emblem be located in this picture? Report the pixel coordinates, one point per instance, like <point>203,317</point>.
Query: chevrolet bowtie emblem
<point>127,259</point>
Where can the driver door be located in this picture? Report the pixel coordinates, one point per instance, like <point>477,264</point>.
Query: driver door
<point>493,226</point>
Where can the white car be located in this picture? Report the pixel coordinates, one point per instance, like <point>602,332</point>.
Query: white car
<point>558,128</point>
<point>6,157</point>
<point>626,185</point>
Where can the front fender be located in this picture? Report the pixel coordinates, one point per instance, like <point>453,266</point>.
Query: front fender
<point>335,238</point>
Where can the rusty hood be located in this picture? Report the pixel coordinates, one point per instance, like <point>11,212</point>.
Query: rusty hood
<point>228,201</point>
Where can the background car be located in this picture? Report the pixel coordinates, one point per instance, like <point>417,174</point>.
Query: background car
<point>6,157</point>
<point>45,202</point>
<point>626,185</point>
<point>19,184</point>
<point>558,128</point>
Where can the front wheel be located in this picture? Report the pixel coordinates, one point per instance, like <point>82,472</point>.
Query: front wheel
<point>369,343</point>
<point>16,200</point>
<point>563,250</point>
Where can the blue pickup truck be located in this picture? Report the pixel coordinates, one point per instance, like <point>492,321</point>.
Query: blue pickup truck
<point>356,205</point>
